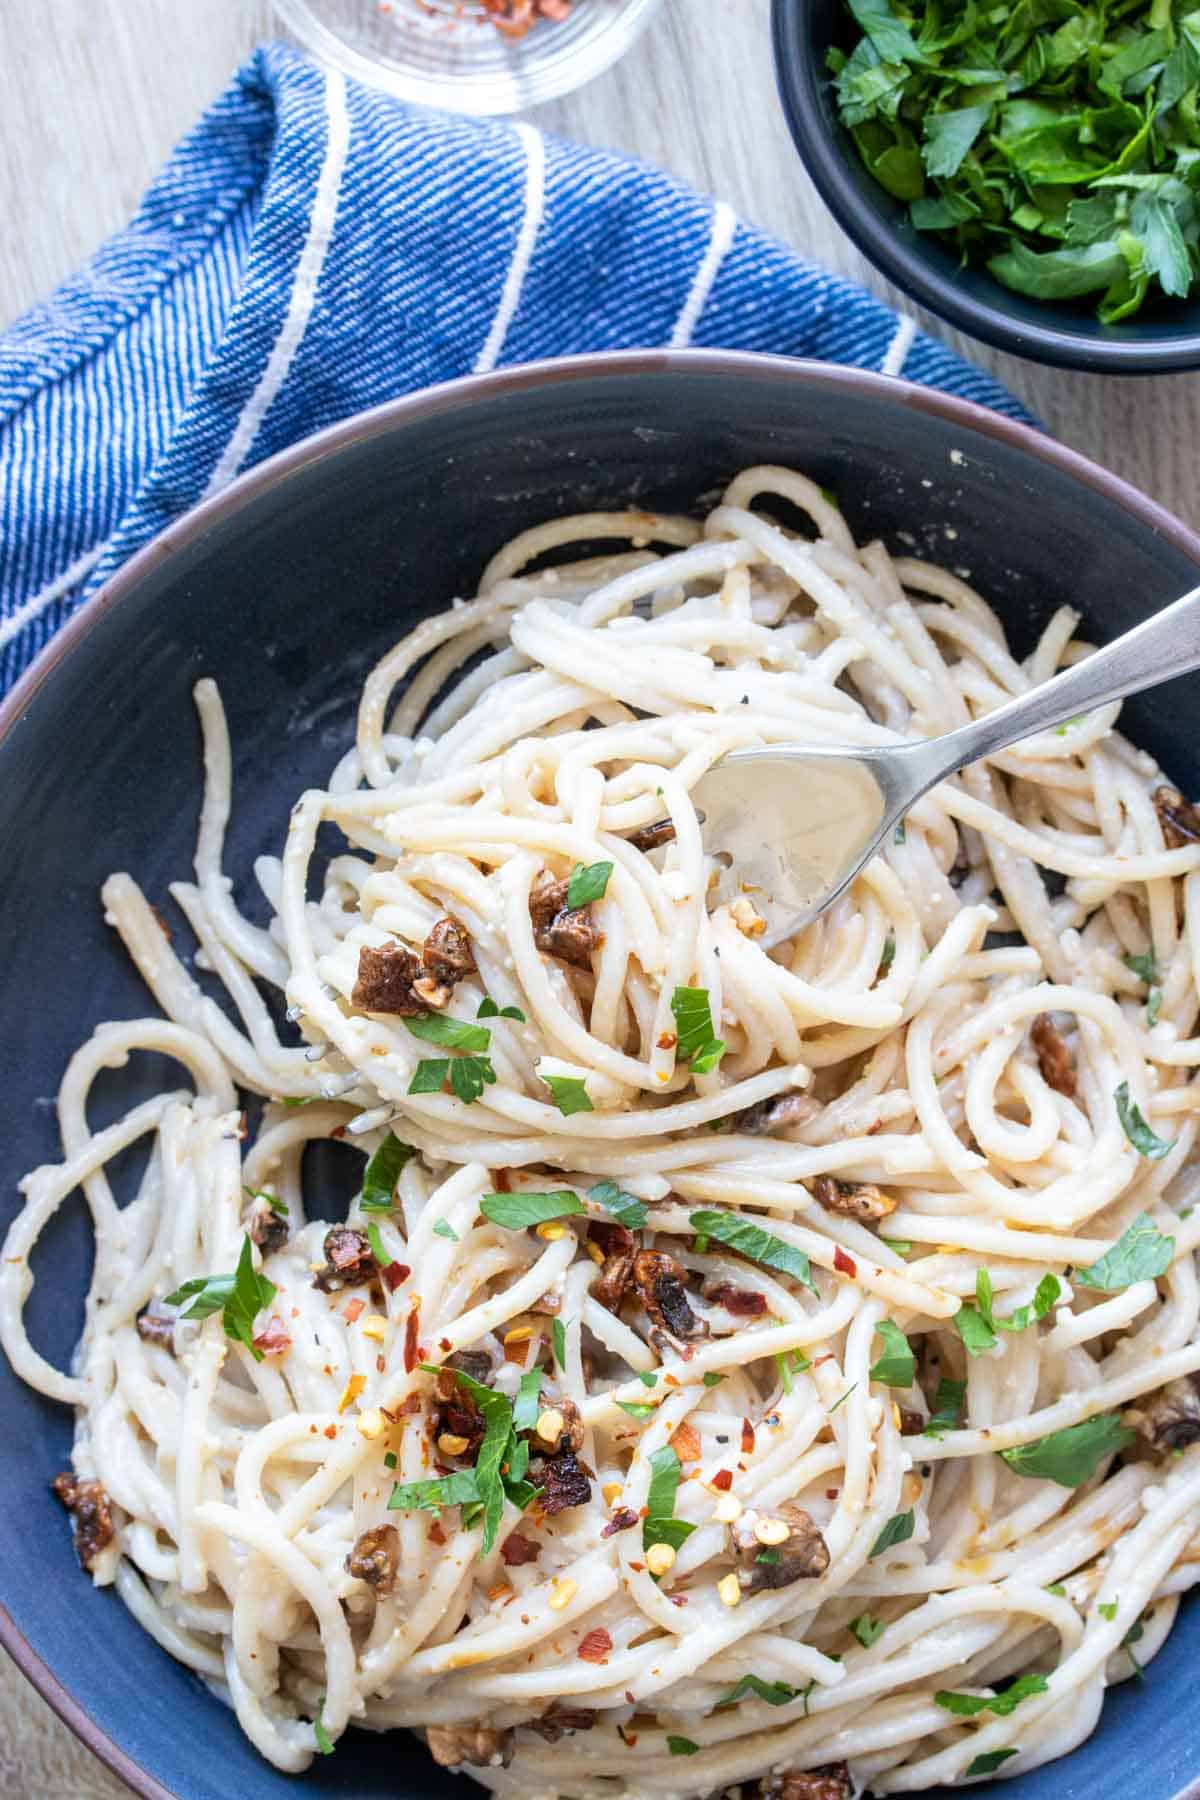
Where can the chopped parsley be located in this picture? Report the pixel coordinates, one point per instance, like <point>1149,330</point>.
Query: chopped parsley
<point>518,1210</point>
<point>752,1241</point>
<point>947,1406</point>
<point>586,885</point>
<point>1145,1141</point>
<point>897,1366</point>
<point>681,1746</point>
<point>660,1525</point>
<point>558,1336</point>
<point>898,1530</point>
<point>624,1208</point>
<point>382,1174</point>
<point>454,1034</point>
<point>1072,1456</point>
<point>867,1630</point>
<point>989,1761</point>
<point>1140,1254</point>
<point>324,1741</point>
<point>525,1411</point>
<point>775,1693</point>
<point>968,1706</point>
<point>467,1075</point>
<point>489,1010</point>
<point>444,1229</point>
<point>696,1043</point>
<point>239,1297</point>
<point>569,1093</point>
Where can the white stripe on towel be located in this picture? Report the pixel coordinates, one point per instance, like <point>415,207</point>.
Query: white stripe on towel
<point>531,220</point>
<point>724,224</point>
<point>897,351</point>
<point>304,287</point>
<point>37,603</point>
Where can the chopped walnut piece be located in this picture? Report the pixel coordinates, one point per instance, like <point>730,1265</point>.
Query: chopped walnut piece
<point>747,917</point>
<point>912,1423</point>
<point>618,1247</point>
<point>595,1646</point>
<point>1179,819</point>
<point>659,1280</point>
<point>457,1415</point>
<point>744,1303</point>
<point>374,1558</point>
<point>481,1745</point>
<point>267,1228</point>
<point>860,1200</point>
<point>91,1509</point>
<point>830,1782</point>
<point>348,1261</point>
<point>152,1328</point>
<point>564,1482</point>
<point>561,930</point>
<point>447,957</point>
<point>652,837</point>
<point>475,1363</point>
<point>385,981</point>
<point>552,1725</point>
<point>802,1555</point>
<point>781,1113</point>
<point>1169,1418</point>
<point>623,1519</point>
<point>569,1438</point>
<point>1054,1059</point>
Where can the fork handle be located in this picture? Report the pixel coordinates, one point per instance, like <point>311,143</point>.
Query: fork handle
<point>1165,645</point>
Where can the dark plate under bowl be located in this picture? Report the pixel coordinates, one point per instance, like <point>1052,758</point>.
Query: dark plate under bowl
<point>286,588</point>
<point>1163,335</point>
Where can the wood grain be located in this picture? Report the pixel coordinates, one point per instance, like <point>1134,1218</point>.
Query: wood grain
<point>94,93</point>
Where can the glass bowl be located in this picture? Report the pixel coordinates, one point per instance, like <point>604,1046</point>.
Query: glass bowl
<point>449,53</point>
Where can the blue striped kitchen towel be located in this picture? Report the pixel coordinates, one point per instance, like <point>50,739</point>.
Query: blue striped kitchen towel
<point>313,248</point>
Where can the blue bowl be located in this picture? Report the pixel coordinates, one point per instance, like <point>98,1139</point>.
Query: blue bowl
<point>286,588</point>
<point>1164,335</point>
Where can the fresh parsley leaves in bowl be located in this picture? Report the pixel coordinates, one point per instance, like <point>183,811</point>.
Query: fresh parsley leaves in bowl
<point>1029,170</point>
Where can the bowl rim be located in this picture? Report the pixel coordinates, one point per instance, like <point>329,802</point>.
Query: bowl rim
<point>826,162</point>
<point>451,396</point>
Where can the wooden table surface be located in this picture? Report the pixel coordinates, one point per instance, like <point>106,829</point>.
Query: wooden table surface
<point>94,93</point>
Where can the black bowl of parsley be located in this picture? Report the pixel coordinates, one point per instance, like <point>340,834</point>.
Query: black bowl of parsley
<point>1027,169</point>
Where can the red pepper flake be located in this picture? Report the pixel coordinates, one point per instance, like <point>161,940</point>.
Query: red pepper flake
<point>667,1040</point>
<point>845,1265</point>
<point>331,1431</point>
<point>436,1534</point>
<point>640,1567</point>
<point>723,1480</point>
<point>445,1344</point>
<point>747,1438</point>
<point>394,1276</point>
<point>624,1519</point>
<point>503,1179</point>
<point>516,1550</point>
<point>628,1738</point>
<point>595,1646</point>
<point>274,1341</point>
<point>410,1339</point>
<point>629,1697</point>
<point>162,923</point>
<point>832,1493</point>
<point>685,1442</point>
<point>353,1311</point>
<point>677,1599</point>
<point>828,1357</point>
<point>380,1365</point>
<point>339,1132</point>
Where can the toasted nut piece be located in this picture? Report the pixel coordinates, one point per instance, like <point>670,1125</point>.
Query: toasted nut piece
<point>772,1531</point>
<point>372,1423</point>
<point>730,1590</point>
<point>562,1593</point>
<point>351,1391</point>
<point>728,1509</point>
<point>550,1231</point>
<point>596,1254</point>
<point>375,1326</point>
<point>520,1334</point>
<point>660,1558</point>
<point>549,1426</point>
<point>747,918</point>
<point>611,1491</point>
<point>450,1444</point>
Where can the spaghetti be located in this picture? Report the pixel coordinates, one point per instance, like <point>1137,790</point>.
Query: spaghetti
<point>755,1367</point>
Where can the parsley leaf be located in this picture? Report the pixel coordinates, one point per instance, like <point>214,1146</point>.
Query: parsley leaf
<point>897,1366</point>
<point>752,1241</point>
<point>1107,1610</point>
<point>429,1076</point>
<point>624,1208</point>
<point>377,1250</point>
<point>697,1043</point>
<point>444,1229</point>
<point>775,1693</point>
<point>518,1210</point>
<point>240,1297</point>
<point>586,885</point>
<point>558,1335</point>
<point>968,1706</point>
<point>681,1746</point>
<point>1071,1456</point>
<point>459,1489</point>
<point>525,1411</point>
<point>989,1761</point>
<point>660,1526</point>
<point>569,1093</point>
<point>637,1409</point>
<point>455,1034</point>
<point>469,1075</point>
<point>489,1010</point>
<point>382,1174</point>
<point>898,1530</point>
<point>947,1406</point>
<point>1140,1254</point>
<point>867,1630</point>
<point>712,1379</point>
<point>1145,1141</point>
<point>1144,967</point>
<point>323,1739</point>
